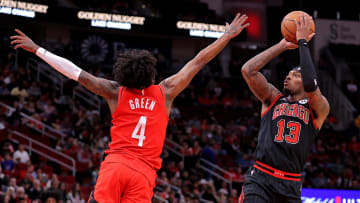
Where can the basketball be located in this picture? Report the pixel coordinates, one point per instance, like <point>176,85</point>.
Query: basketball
<point>288,25</point>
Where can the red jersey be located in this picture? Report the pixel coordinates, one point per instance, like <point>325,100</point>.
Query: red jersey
<point>139,124</point>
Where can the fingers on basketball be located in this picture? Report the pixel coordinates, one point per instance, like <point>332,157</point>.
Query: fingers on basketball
<point>292,22</point>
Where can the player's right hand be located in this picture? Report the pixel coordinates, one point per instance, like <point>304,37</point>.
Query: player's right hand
<point>23,41</point>
<point>303,28</point>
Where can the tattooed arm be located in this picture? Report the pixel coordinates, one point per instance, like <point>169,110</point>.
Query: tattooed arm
<point>258,84</point>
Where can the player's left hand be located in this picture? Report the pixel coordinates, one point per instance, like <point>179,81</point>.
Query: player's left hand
<point>23,41</point>
<point>288,45</point>
<point>303,28</point>
<point>237,25</point>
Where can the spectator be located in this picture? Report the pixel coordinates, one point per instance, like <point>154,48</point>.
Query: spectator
<point>320,181</point>
<point>352,87</point>
<point>63,189</point>
<point>54,178</point>
<point>209,193</point>
<point>49,197</point>
<point>36,190</point>
<point>234,196</point>
<point>84,155</point>
<point>2,178</point>
<point>208,154</point>
<point>34,89</point>
<point>20,155</point>
<point>4,91</point>
<point>75,194</point>
<point>19,91</point>
<point>21,196</point>
<point>224,188</point>
<point>38,174</point>
<point>27,181</point>
<point>54,189</point>
<point>354,145</point>
<point>8,164</point>
<point>10,193</point>
<point>238,175</point>
<point>7,145</point>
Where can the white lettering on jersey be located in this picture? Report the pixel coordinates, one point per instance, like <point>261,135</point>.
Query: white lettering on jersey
<point>293,110</point>
<point>132,106</point>
<point>152,105</point>
<point>137,103</point>
<point>143,103</point>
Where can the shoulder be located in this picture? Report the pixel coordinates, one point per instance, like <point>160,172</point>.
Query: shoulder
<point>277,96</point>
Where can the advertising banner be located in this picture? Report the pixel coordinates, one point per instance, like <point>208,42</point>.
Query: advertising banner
<point>330,196</point>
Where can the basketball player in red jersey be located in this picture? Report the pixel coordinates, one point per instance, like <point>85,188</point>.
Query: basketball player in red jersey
<point>139,111</point>
<point>289,123</point>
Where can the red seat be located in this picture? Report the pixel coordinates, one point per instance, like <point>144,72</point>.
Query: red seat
<point>21,166</point>
<point>85,191</point>
<point>69,180</point>
<point>48,170</point>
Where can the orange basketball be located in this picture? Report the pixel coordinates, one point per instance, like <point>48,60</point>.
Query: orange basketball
<point>288,25</point>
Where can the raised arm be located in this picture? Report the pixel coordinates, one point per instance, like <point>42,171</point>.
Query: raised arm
<point>257,83</point>
<point>176,83</point>
<point>99,86</point>
<point>309,79</point>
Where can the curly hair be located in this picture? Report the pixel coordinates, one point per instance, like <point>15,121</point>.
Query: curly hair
<point>135,68</point>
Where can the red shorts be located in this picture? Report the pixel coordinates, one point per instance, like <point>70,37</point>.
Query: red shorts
<point>124,179</point>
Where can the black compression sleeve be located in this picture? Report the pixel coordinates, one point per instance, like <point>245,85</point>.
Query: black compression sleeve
<point>308,73</point>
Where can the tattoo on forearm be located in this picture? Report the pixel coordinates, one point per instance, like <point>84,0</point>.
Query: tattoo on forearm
<point>260,60</point>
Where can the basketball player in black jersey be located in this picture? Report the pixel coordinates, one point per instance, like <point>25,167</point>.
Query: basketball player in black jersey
<point>289,123</point>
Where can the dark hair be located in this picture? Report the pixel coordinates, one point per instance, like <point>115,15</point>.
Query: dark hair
<point>135,69</point>
<point>296,68</point>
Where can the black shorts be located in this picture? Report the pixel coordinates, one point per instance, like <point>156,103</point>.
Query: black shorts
<point>262,187</point>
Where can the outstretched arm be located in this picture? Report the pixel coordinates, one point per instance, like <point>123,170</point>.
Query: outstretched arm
<point>316,100</point>
<point>176,83</point>
<point>99,86</point>
<point>257,83</point>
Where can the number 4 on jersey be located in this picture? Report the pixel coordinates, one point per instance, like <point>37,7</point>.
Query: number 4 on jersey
<point>140,126</point>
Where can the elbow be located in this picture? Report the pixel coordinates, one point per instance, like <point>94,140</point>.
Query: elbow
<point>245,71</point>
<point>198,62</point>
<point>327,106</point>
<point>201,59</point>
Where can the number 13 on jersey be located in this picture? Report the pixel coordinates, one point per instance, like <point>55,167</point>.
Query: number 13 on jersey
<point>140,126</point>
<point>293,136</point>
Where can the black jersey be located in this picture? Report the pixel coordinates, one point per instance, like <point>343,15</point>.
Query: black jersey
<point>287,132</point>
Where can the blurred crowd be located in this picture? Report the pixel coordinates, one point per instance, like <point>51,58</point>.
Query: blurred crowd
<point>215,119</point>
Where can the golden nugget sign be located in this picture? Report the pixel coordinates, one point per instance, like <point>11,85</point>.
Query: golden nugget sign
<point>202,29</point>
<point>200,26</point>
<point>21,8</point>
<point>109,20</point>
<point>111,17</point>
<point>24,5</point>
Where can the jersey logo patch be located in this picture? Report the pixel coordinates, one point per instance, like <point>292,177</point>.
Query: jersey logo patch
<point>304,101</point>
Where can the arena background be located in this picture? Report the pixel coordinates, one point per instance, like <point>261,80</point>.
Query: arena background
<point>214,123</point>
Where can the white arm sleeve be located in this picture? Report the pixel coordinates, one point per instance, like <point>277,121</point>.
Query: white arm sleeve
<point>60,64</point>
